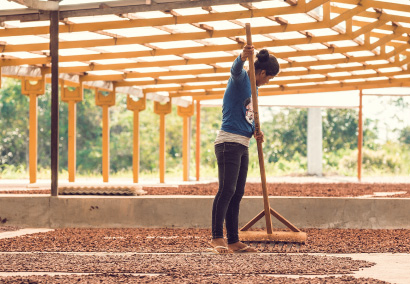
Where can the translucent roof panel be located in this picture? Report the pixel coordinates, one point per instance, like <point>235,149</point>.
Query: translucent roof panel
<point>288,35</point>
<point>146,70</point>
<point>24,39</point>
<point>125,48</point>
<point>360,53</point>
<point>330,56</point>
<point>270,4</point>
<point>170,45</point>
<point>323,32</point>
<point>176,44</point>
<point>208,54</point>
<point>183,28</point>
<point>72,64</point>
<point>82,36</point>
<point>22,54</point>
<point>143,31</point>
<point>96,19</point>
<point>160,58</point>
<point>337,74</point>
<point>113,61</point>
<point>190,11</point>
<point>222,25</point>
<point>228,8</point>
<point>303,58</point>
<point>9,5</point>
<point>298,18</point>
<point>76,51</point>
<point>27,24</point>
<point>259,22</point>
<point>104,72</point>
<point>310,46</point>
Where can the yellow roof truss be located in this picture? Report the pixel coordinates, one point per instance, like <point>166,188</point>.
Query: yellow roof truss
<point>186,47</point>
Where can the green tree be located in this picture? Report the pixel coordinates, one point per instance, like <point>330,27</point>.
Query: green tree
<point>405,135</point>
<point>14,126</point>
<point>285,134</point>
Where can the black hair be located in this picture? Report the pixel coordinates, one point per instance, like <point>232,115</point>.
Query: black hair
<point>266,62</point>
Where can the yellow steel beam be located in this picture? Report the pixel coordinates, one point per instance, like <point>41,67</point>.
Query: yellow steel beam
<point>229,47</point>
<point>282,90</point>
<point>279,82</point>
<point>388,38</point>
<point>348,14</point>
<point>378,4</point>
<point>215,60</point>
<point>369,27</point>
<point>204,97</point>
<point>375,15</point>
<point>178,37</point>
<point>225,78</point>
<point>157,75</point>
<point>134,23</point>
<point>161,38</point>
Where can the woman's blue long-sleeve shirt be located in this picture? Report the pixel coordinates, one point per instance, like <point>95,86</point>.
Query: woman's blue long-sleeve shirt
<point>237,110</point>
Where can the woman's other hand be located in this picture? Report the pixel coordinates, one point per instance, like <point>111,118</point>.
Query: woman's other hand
<point>259,136</point>
<point>247,52</point>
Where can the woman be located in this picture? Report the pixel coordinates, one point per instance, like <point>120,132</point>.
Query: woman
<point>231,147</point>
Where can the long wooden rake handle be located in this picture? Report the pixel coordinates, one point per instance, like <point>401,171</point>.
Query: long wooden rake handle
<point>258,129</point>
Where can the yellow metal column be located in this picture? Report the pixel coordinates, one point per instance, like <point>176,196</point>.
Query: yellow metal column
<point>105,101</point>
<point>360,138</point>
<point>71,96</point>
<point>198,139</point>
<point>185,113</point>
<point>162,110</point>
<point>33,138</point>
<point>136,107</point>
<point>33,91</point>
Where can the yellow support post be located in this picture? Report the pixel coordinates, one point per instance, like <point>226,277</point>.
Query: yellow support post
<point>185,113</point>
<point>162,110</point>
<point>360,138</point>
<point>72,97</point>
<point>198,139</point>
<point>326,12</point>
<point>33,91</point>
<point>105,101</point>
<point>136,107</point>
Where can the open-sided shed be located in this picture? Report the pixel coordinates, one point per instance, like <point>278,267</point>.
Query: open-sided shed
<point>180,52</point>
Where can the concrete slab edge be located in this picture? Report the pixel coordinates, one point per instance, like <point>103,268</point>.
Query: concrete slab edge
<point>42,211</point>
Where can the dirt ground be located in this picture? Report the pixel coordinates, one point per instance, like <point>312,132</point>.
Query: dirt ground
<point>397,190</point>
<point>142,240</point>
<point>167,255</point>
<point>180,256</point>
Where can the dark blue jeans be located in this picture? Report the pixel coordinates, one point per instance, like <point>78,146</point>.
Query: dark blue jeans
<point>233,160</point>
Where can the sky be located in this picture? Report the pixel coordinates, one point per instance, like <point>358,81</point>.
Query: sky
<point>374,107</point>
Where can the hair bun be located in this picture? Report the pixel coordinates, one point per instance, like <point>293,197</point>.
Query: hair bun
<point>263,55</point>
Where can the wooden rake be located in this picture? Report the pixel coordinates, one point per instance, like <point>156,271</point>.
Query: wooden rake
<point>284,239</point>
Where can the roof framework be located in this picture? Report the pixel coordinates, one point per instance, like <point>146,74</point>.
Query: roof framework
<point>186,48</point>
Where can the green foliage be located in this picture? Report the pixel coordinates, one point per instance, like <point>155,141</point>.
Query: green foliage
<point>390,159</point>
<point>13,125</point>
<point>285,132</point>
<point>405,135</point>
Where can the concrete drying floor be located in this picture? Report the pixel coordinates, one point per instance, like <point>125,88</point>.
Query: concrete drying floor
<point>179,256</point>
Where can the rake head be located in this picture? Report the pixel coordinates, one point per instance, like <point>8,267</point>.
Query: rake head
<point>282,241</point>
